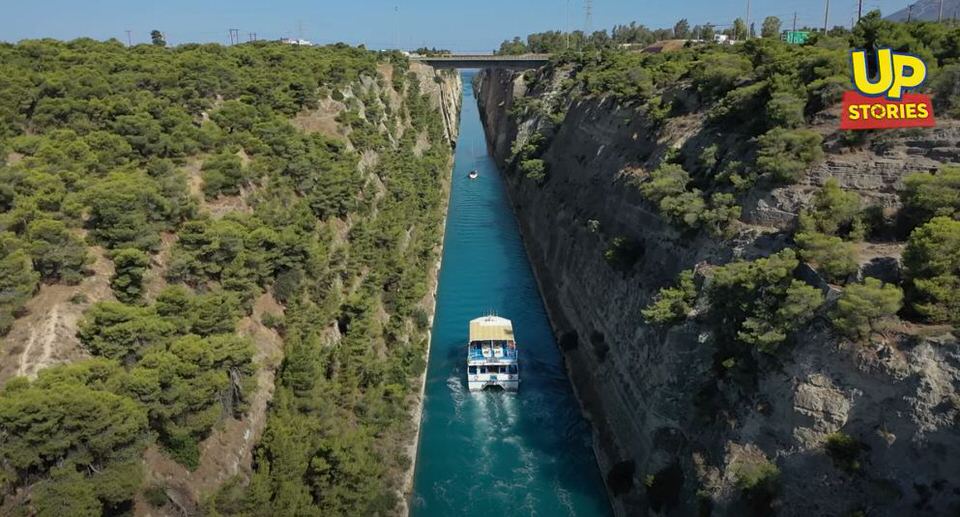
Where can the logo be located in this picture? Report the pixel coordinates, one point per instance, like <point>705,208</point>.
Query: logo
<point>884,101</point>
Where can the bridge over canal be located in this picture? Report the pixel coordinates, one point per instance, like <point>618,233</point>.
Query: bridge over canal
<point>521,62</point>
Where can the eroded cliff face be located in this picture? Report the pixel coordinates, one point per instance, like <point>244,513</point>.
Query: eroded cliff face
<point>670,436</point>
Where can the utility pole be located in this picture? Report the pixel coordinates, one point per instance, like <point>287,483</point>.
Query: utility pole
<point>396,27</point>
<point>826,17</point>
<point>909,13</point>
<point>794,21</point>
<point>748,19</point>
<point>129,38</point>
<point>940,16</point>
<point>566,26</point>
<point>859,10</point>
<point>588,17</point>
<point>234,36</point>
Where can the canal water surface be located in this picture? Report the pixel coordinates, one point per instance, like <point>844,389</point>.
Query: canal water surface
<point>496,453</point>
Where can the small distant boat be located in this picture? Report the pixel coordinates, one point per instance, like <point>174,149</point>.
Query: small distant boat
<point>473,174</point>
<point>492,355</point>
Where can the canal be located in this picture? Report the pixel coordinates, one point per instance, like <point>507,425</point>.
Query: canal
<point>496,453</point>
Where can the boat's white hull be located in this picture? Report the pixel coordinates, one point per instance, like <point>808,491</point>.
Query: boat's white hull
<point>481,382</point>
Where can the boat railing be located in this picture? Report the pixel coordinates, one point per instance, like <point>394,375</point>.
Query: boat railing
<point>476,353</point>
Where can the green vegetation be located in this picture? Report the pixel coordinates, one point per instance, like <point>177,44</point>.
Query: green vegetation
<point>758,303</point>
<point>759,482</point>
<point>844,450</point>
<point>833,258</point>
<point>667,188</point>
<point>833,212</point>
<point>673,303</point>
<point>104,149</point>
<point>932,260</point>
<point>622,253</point>
<point>534,169</point>
<point>926,195</point>
<point>862,308</point>
<point>18,279</point>
<point>786,154</point>
<point>223,174</point>
<point>131,265</point>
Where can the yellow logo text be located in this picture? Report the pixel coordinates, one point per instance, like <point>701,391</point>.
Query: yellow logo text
<point>896,72</point>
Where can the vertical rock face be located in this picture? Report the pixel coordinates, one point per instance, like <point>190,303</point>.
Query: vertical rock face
<point>672,438</point>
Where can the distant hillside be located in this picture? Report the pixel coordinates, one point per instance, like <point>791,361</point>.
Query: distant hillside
<point>927,10</point>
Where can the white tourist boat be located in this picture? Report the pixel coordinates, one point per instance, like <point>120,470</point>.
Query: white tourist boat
<point>492,355</point>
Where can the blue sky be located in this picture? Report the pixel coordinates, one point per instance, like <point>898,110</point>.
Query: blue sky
<point>463,25</point>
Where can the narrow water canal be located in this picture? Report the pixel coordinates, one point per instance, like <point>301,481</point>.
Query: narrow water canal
<point>495,453</point>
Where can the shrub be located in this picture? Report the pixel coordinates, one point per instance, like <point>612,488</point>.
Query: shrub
<point>223,174</point>
<point>785,154</point>
<point>932,261</point>
<point>927,195</point>
<point>667,180</point>
<point>832,210</point>
<point>131,265</point>
<point>785,109</point>
<point>759,303</point>
<point>717,73</point>
<point>672,304</point>
<point>834,258</point>
<point>946,88</point>
<point>18,280</point>
<point>862,307</point>
<point>622,253</point>
<point>759,481</point>
<point>57,253</point>
<point>534,169</point>
<point>766,330</point>
<point>844,451</point>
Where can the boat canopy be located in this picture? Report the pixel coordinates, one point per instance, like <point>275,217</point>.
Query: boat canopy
<point>491,328</point>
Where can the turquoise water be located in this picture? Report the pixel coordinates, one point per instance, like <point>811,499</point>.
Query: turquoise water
<point>496,453</point>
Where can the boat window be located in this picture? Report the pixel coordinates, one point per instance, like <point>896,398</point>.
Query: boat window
<point>473,370</point>
<point>483,369</point>
<point>513,368</point>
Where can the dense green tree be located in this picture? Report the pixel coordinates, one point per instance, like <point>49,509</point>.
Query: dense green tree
<point>117,331</point>
<point>766,329</point>
<point>223,174</point>
<point>681,29</point>
<point>771,27</point>
<point>67,492</point>
<point>157,39</point>
<point>927,195</point>
<point>932,261</point>
<point>786,154</point>
<point>672,304</point>
<point>833,258</point>
<point>758,303</point>
<point>862,307</point>
<point>130,265</point>
<point>18,280</point>
<point>67,423</point>
<point>739,30</point>
<point>832,211</point>
<point>57,253</point>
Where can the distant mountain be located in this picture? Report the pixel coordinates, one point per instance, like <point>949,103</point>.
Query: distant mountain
<point>927,10</point>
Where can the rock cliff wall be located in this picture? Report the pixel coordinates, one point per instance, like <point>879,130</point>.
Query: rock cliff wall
<point>670,438</point>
